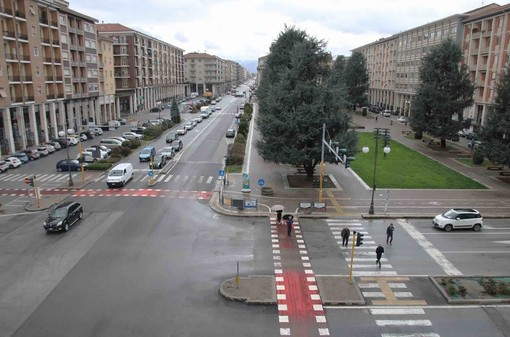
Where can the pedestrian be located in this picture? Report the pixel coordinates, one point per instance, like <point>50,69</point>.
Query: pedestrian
<point>391,122</point>
<point>389,234</point>
<point>279,217</point>
<point>376,118</point>
<point>290,223</point>
<point>345,233</point>
<point>378,252</point>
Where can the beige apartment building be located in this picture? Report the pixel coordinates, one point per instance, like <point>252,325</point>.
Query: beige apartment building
<point>394,63</point>
<point>147,71</point>
<point>48,72</point>
<point>105,61</point>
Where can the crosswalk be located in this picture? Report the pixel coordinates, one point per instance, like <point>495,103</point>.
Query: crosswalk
<point>56,179</point>
<point>383,287</point>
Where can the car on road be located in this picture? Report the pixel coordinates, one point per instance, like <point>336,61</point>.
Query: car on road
<point>132,135</point>
<point>401,119</point>
<point>204,115</point>
<point>189,126</point>
<point>69,165</point>
<point>458,218</point>
<point>231,133</point>
<point>13,162</point>
<point>168,152</point>
<point>198,119</point>
<point>386,113</point>
<point>4,166</point>
<point>171,137</point>
<point>147,153</point>
<point>218,107</point>
<point>181,132</point>
<point>63,216</point>
<point>159,161</point>
<point>177,145</point>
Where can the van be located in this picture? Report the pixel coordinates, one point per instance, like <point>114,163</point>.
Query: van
<point>120,175</point>
<point>147,153</point>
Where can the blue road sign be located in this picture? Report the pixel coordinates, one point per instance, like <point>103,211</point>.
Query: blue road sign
<point>221,173</point>
<point>150,173</point>
<point>261,182</point>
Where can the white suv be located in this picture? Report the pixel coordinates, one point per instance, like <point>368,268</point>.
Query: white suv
<point>459,218</point>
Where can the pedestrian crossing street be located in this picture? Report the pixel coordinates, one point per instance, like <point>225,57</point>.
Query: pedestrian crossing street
<point>56,179</point>
<point>383,287</point>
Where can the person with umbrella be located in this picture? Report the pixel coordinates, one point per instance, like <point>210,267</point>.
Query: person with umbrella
<point>279,211</point>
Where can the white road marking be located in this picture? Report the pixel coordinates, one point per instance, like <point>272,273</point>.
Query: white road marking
<point>397,311</point>
<point>410,322</point>
<point>439,257</point>
<point>419,334</point>
<point>168,178</point>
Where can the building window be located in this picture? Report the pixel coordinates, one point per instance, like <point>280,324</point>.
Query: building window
<point>36,51</point>
<point>33,30</point>
<point>62,20</point>
<point>39,89</point>
<point>63,38</point>
<point>37,71</point>
<point>65,55</point>
<point>68,89</point>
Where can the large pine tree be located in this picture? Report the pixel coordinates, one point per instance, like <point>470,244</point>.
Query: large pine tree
<point>444,92</point>
<point>495,134</point>
<point>295,101</point>
<point>356,80</point>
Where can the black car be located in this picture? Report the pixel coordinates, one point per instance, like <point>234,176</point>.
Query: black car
<point>171,137</point>
<point>177,145</point>
<point>70,165</point>
<point>63,216</point>
<point>62,141</point>
<point>159,161</point>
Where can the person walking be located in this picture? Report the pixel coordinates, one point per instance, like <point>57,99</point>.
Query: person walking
<point>345,233</point>
<point>378,252</point>
<point>389,234</point>
<point>279,217</point>
<point>290,223</point>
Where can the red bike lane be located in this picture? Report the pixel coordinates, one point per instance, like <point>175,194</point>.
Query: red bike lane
<point>299,303</point>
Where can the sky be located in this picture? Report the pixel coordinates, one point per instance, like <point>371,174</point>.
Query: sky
<point>243,30</point>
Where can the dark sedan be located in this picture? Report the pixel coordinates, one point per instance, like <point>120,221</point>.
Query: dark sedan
<point>159,161</point>
<point>63,216</point>
<point>70,165</point>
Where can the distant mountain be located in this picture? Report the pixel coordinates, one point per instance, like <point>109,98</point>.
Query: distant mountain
<point>250,65</point>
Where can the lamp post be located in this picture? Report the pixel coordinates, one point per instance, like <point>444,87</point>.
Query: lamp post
<point>386,151</point>
<point>71,183</point>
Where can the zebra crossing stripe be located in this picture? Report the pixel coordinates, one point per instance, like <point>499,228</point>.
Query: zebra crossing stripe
<point>209,180</point>
<point>420,334</point>
<point>160,178</point>
<point>168,178</point>
<point>177,178</point>
<point>418,322</point>
<point>390,311</point>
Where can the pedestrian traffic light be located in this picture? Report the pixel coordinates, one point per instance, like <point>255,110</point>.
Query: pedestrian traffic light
<point>348,161</point>
<point>359,239</point>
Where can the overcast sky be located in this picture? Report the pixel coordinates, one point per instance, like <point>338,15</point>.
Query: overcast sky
<point>243,30</point>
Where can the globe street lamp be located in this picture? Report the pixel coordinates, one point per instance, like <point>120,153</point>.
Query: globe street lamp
<point>365,149</point>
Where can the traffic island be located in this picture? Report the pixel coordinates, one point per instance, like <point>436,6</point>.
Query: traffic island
<point>337,290</point>
<point>473,289</point>
<point>250,289</point>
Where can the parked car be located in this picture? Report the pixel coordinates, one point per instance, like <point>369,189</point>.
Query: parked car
<point>53,146</point>
<point>218,107</point>
<point>177,145</point>
<point>204,115</point>
<point>63,216</point>
<point>22,156</point>
<point>72,140</point>
<point>386,113</point>
<point>103,148</point>
<point>171,137</point>
<point>62,141</point>
<point>32,154</point>
<point>13,162</point>
<point>189,126</point>
<point>88,157</point>
<point>97,131</point>
<point>132,135</point>
<point>110,143</point>
<point>457,218</point>
<point>159,161</point>
<point>198,119</point>
<point>140,129</point>
<point>156,109</point>
<point>402,119</point>
<point>231,133</point>
<point>4,166</point>
<point>70,165</point>
<point>114,122</point>
<point>181,132</point>
<point>43,150</point>
<point>168,152</point>
<point>97,152</point>
<point>122,121</point>
<point>84,135</point>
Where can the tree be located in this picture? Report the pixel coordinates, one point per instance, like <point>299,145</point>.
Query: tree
<point>174,112</point>
<point>444,92</point>
<point>495,134</point>
<point>356,80</point>
<point>295,101</point>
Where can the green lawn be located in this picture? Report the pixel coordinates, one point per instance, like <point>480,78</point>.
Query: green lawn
<point>405,168</point>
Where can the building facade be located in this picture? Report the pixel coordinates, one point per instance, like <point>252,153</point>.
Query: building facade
<point>394,63</point>
<point>146,70</point>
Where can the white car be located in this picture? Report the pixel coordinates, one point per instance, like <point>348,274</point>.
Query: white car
<point>110,143</point>
<point>198,119</point>
<point>189,126</point>
<point>401,119</point>
<point>97,152</point>
<point>218,107</point>
<point>13,162</point>
<point>168,152</point>
<point>181,132</point>
<point>72,140</point>
<point>457,218</point>
<point>121,139</point>
<point>132,135</point>
<point>96,131</point>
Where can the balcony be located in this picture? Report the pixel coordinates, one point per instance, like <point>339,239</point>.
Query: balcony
<point>5,10</point>
<point>20,14</point>
<point>9,34</point>
<point>43,21</point>
<point>45,40</point>
<point>28,98</point>
<point>23,37</point>
<point>14,78</point>
<point>72,29</point>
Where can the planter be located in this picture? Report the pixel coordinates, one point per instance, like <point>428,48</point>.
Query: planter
<point>266,190</point>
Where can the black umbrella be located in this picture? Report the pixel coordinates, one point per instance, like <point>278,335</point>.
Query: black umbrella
<point>288,216</point>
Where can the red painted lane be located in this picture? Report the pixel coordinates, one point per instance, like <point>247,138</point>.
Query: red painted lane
<point>297,304</point>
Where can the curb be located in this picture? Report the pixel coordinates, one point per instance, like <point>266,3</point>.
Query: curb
<point>247,288</point>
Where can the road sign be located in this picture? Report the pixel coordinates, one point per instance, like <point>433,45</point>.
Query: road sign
<point>221,173</point>
<point>261,182</point>
<point>150,173</point>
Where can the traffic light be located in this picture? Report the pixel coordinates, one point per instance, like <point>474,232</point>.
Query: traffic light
<point>29,181</point>
<point>359,239</point>
<point>348,161</point>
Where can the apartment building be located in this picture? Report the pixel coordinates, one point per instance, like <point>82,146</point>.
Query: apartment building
<point>105,63</point>
<point>394,63</point>
<point>205,73</point>
<point>50,68</point>
<point>486,51</point>
<point>146,70</point>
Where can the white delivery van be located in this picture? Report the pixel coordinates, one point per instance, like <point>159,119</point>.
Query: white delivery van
<point>120,175</point>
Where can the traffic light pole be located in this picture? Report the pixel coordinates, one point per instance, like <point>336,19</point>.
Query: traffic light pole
<point>354,236</point>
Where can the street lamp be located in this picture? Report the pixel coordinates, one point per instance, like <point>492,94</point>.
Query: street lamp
<point>365,149</point>
<point>71,183</point>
